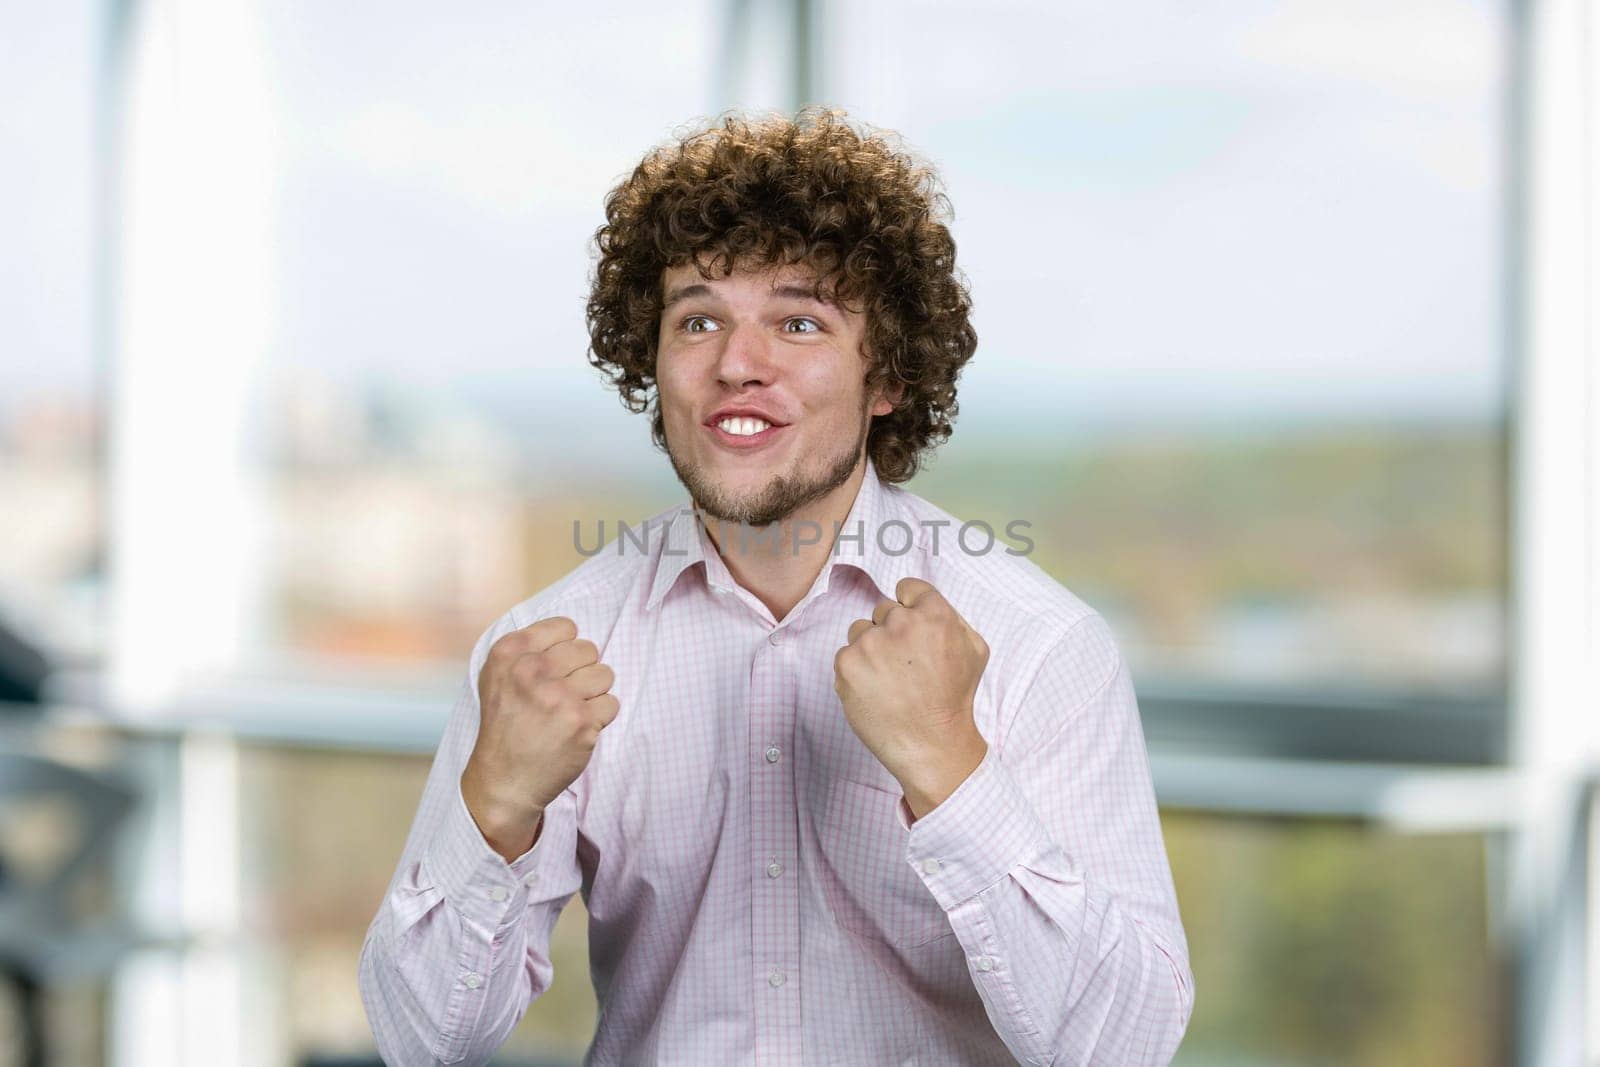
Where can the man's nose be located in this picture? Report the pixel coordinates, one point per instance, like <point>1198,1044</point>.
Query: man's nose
<point>746,356</point>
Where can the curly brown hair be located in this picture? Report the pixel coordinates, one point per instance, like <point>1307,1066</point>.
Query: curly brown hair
<point>863,215</point>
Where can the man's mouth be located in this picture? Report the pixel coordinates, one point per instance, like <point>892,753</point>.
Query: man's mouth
<point>743,432</point>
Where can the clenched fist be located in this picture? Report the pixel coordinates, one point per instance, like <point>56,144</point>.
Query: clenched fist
<point>907,678</point>
<point>543,698</point>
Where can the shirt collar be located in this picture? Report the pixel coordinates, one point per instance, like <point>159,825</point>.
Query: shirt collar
<point>683,545</point>
<point>877,537</point>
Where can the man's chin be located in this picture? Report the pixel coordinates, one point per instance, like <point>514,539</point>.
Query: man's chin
<point>737,512</point>
<point>755,496</point>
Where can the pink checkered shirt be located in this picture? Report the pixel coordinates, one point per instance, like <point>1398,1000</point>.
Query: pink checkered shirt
<point>757,890</point>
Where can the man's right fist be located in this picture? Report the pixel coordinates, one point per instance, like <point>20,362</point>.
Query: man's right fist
<point>543,698</point>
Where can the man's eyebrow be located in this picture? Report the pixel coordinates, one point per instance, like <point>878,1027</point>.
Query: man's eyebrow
<point>798,292</point>
<point>801,292</point>
<point>685,292</point>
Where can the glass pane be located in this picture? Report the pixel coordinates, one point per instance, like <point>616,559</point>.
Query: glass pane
<point>51,541</point>
<point>1319,942</point>
<point>441,179</point>
<point>1238,283</point>
<point>68,811</point>
<point>322,832</point>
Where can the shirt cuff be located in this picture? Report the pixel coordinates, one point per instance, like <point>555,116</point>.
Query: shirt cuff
<point>477,880</point>
<point>976,836</point>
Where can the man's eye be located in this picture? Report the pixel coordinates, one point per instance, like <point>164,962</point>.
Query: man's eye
<point>812,323</point>
<point>697,324</point>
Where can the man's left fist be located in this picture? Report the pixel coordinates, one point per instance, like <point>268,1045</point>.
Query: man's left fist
<point>907,678</point>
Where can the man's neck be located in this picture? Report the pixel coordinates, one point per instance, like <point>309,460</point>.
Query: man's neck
<point>776,563</point>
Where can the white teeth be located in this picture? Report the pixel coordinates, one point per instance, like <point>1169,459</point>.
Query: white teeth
<point>743,427</point>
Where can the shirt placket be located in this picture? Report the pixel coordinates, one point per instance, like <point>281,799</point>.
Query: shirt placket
<point>775,897</point>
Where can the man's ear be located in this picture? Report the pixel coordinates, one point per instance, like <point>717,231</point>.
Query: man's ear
<point>888,398</point>
<point>888,395</point>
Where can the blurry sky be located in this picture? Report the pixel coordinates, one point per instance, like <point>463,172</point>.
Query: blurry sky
<point>47,92</point>
<point>1252,210</point>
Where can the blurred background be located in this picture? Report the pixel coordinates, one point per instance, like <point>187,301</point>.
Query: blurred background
<point>1284,353</point>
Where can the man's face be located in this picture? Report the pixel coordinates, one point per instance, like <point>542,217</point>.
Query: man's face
<point>758,342</point>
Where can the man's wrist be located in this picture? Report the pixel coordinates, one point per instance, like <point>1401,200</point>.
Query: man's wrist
<point>509,831</point>
<point>936,778</point>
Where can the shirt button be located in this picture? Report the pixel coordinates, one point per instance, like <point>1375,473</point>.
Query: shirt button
<point>930,866</point>
<point>497,893</point>
<point>773,755</point>
<point>472,980</point>
<point>775,979</point>
<point>984,963</point>
<point>774,869</point>
<point>528,881</point>
<point>775,638</point>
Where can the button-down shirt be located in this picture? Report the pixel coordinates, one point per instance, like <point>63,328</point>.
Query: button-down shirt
<point>758,892</point>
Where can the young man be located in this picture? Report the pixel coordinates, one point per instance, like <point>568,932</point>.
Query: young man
<point>855,790</point>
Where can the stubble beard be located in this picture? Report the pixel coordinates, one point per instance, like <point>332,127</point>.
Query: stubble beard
<point>780,498</point>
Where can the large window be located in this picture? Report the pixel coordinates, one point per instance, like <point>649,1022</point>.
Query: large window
<point>1240,279</point>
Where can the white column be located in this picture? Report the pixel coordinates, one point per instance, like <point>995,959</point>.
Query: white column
<point>191,299</point>
<point>1556,537</point>
<point>757,56</point>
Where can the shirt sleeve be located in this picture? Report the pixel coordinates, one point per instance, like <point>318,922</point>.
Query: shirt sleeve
<point>460,945</point>
<point>1050,864</point>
